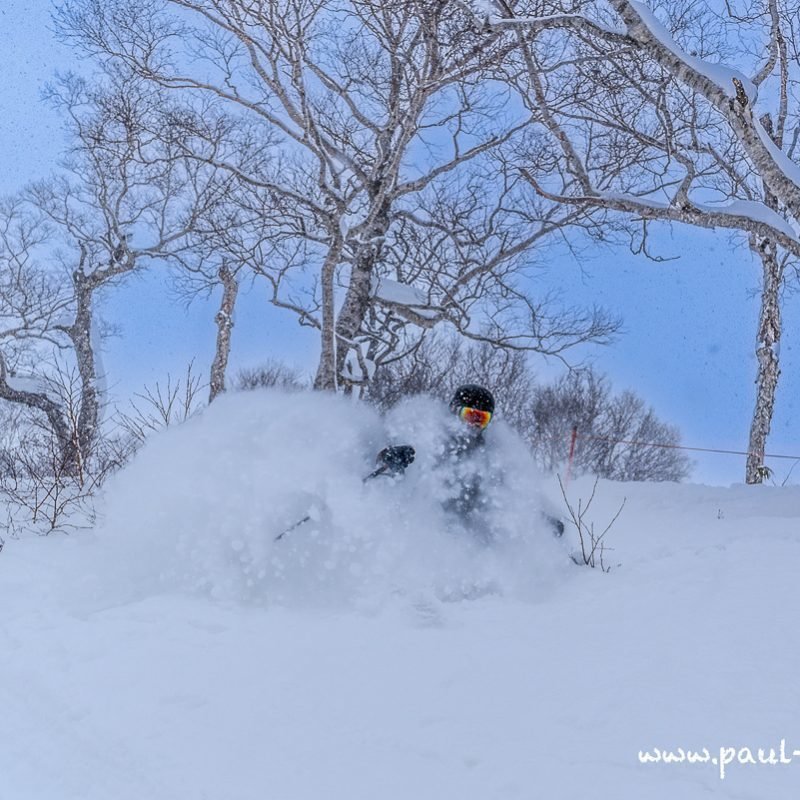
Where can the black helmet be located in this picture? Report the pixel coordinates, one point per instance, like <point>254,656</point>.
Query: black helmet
<point>472,396</point>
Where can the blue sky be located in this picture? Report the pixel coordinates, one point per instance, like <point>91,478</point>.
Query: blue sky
<point>690,324</point>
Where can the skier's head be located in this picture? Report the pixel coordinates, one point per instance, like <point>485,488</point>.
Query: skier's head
<point>473,405</point>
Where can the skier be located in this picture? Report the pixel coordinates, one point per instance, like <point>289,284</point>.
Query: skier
<point>463,460</point>
<point>466,465</point>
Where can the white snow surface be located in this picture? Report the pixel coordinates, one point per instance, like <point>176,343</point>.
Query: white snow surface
<point>178,653</point>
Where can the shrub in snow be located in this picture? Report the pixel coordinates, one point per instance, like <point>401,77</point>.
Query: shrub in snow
<point>593,547</point>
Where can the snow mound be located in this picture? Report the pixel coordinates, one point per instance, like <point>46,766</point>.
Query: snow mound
<point>200,507</point>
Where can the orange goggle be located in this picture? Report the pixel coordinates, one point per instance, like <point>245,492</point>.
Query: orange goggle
<point>474,416</point>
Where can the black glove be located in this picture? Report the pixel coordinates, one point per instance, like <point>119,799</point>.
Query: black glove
<point>395,459</point>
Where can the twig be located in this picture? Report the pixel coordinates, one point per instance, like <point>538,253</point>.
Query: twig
<point>591,543</point>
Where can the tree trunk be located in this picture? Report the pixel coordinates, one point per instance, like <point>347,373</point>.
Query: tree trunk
<point>354,309</point>
<point>81,335</point>
<point>767,353</point>
<point>326,377</point>
<point>357,299</point>
<point>224,320</point>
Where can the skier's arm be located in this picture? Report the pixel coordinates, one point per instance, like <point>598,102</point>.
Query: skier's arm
<point>394,460</point>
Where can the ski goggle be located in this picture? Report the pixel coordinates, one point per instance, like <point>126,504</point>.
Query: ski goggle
<point>474,416</point>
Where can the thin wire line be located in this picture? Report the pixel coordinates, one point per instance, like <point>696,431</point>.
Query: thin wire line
<point>685,447</point>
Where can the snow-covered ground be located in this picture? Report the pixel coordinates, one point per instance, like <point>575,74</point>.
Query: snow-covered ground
<point>179,653</point>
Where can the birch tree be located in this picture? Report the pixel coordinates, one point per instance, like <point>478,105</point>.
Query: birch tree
<point>373,105</point>
<point>224,321</point>
<point>32,303</point>
<point>124,199</point>
<point>680,112</point>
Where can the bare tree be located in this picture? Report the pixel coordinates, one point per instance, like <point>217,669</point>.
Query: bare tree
<point>273,374</point>
<point>166,404</point>
<point>42,491</point>
<point>619,436</point>
<point>125,198</point>
<point>32,303</point>
<point>378,109</point>
<point>685,115</point>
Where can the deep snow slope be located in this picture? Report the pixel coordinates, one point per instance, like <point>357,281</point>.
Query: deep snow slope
<point>178,653</point>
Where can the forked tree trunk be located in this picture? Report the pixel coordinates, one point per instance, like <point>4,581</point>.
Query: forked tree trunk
<point>224,320</point>
<point>767,353</point>
<point>357,298</point>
